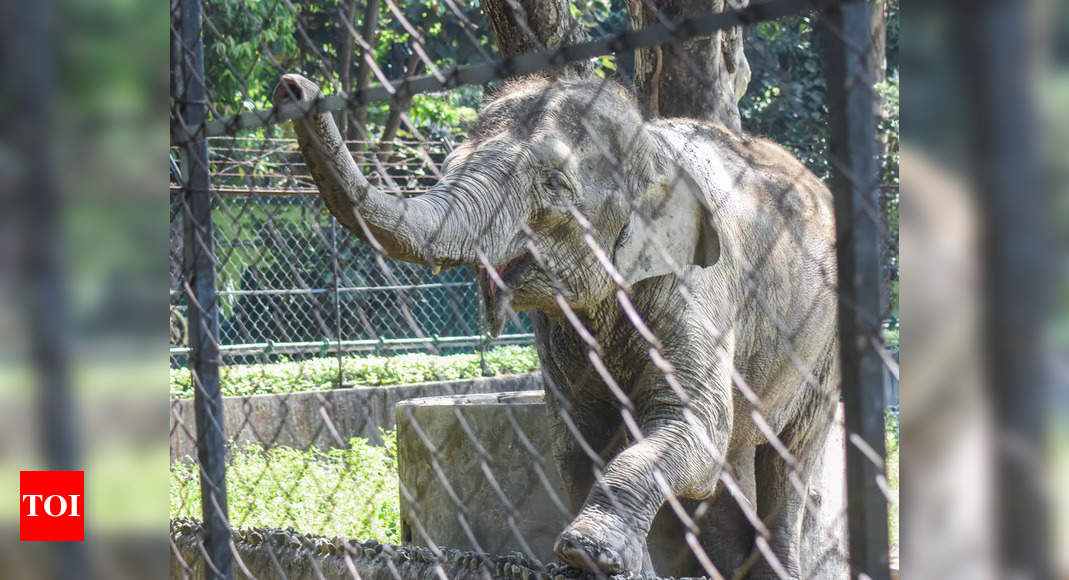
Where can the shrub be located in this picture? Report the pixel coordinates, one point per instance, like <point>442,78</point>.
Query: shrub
<point>322,373</point>
<point>342,492</point>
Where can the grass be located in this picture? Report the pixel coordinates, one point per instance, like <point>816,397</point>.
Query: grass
<point>322,373</point>
<point>342,492</point>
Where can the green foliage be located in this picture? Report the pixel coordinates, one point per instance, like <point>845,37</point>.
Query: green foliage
<point>591,13</point>
<point>889,196</point>
<point>892,469</point>
<point>341,492</point>
<point>244,43</point>
<point>787,101</point>
<point>786,97</point>
<point>322,373</point>
<point>248,44</point>
<point>888,129</point>
<point>441,113</point>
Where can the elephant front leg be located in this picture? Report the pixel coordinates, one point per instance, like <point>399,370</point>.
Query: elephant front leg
<point>610,531</point>
<point>579,446</point>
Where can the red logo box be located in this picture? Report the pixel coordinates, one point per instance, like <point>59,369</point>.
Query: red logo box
<point>51,506</point>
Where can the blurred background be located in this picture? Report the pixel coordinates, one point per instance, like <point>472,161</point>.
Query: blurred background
<point>83,348</point>
<point>984,224</point>
<point>985,409</point>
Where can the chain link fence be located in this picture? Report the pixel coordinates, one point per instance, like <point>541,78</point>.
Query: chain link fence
<point>290,283</point>
<point>677,279</point>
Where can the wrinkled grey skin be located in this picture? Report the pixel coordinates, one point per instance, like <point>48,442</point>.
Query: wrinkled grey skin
<point>726,245</point>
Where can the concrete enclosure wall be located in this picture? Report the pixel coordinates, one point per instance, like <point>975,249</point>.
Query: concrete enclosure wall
<point>476,472</point>
<point>324,419</point>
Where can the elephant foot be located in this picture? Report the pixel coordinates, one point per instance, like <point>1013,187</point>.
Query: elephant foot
<point>604,544</point>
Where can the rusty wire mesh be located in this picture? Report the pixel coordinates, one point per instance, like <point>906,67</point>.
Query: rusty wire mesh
<point>297,304</point>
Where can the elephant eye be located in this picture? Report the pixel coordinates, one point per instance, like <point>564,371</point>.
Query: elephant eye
<point>555,180</point>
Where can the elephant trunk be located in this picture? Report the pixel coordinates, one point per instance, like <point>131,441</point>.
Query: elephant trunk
<point>419,229</point>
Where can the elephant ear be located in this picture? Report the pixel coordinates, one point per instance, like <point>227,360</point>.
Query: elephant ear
<point>668,227</point>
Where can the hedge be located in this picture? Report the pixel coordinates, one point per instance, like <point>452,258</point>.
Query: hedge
<point>322,373</point>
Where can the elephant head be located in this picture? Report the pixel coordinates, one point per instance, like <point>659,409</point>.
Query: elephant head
<point>560,191</point>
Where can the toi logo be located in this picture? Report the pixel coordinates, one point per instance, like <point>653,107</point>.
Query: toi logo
<point>51,506</point>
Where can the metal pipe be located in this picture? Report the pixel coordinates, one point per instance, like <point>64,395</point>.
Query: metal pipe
<point>199,270</point>
<point>366,344</point>
<point>852,151</point>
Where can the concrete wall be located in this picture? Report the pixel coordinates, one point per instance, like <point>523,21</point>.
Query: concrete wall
<point>325,419</point>
<point>476,472</point>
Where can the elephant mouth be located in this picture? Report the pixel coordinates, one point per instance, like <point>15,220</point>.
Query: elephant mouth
<point>498,297</point>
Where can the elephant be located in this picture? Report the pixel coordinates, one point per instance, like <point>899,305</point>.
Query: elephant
<point>681,280</point>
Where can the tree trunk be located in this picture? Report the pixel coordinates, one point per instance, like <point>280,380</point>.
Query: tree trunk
<point>370,33</point>
<point>701,78</point>
<point>521,26</point>
<point>345,48</point>
<point>878,50</point>
<point>878,57</point>
<point>397,108</point>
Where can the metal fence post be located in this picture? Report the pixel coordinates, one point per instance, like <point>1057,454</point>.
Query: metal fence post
<point>203,305</point>
<point>852,154</point>
<point>44,285</point>
<point>998,60</point>
<point>484,334</point>
<point>337,297</point>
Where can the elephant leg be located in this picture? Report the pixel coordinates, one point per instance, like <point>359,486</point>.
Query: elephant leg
<point>611,528</point>
<point>581,440</point>
<point>584,432</point>
<point>725,534</point>
<point>780,502</point>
